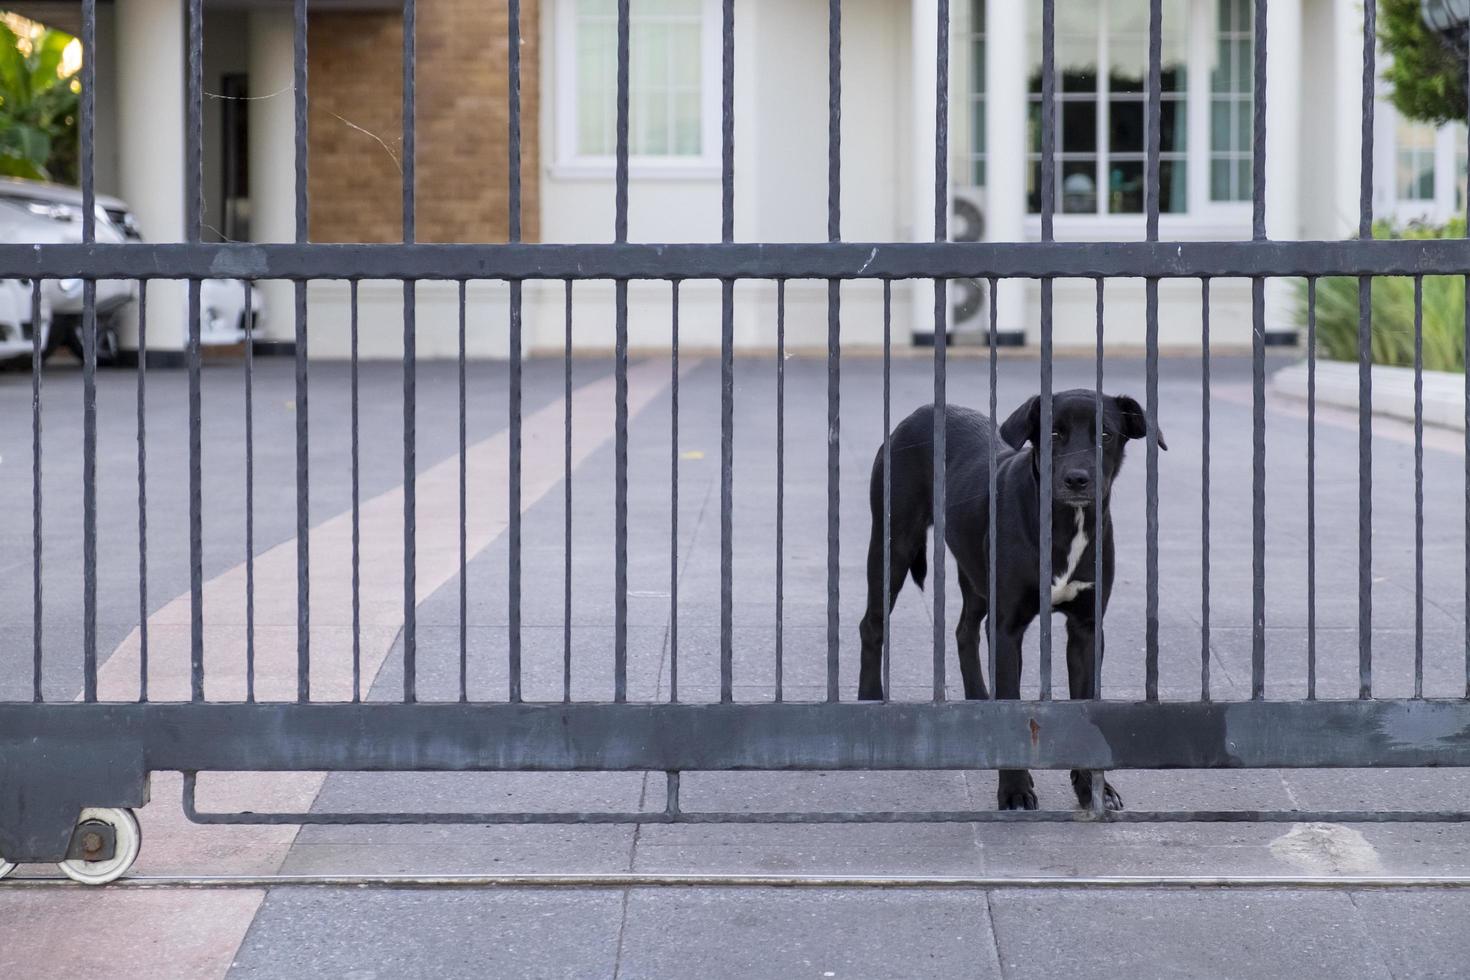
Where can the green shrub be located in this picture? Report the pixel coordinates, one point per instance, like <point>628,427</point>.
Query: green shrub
<point>1426,70</point>
<point>1392,325</point>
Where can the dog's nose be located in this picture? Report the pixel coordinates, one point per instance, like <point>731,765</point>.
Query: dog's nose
<point>1078,479</point>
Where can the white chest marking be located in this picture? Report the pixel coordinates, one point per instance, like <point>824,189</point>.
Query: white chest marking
<point>1063,589</point>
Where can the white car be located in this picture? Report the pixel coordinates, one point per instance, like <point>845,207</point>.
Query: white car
<point>16,328</point>
<point>32,211</point>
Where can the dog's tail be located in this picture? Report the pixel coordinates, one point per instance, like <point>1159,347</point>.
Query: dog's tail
<point>919,567</point>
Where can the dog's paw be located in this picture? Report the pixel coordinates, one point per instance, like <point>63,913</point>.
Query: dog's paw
<point>1016,791</point>
<point>1082,785</point>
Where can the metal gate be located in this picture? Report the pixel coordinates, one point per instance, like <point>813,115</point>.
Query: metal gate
<point>57,758</point>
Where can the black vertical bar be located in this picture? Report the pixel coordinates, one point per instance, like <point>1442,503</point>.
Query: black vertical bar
<point>834,338</point>
<point>780,487</point>
<point>1151,357</point>
<point>990,602</point>
<point>89,354</point>
<point>464,590</point>
<point>1418,486</point>
<point>1204,506</point>
<point>249,487</point>
<point>566,631</point>
<point>410,370</point>
<point>513,40</point>
<point>674,502</point>
<point>620,369</point>
<point>1311,489</point>
<point>1098,804</point>
<point>1097,507</point>
<point>671,792</point>
<point>1365,369</point>
<point>356,513</point>
<point>941,330</point>
<point>1258,367</point>
<point>194,222</point>
<point>143,498</point>
<point>887,485</point>
<point>727,353</point>
<point>36,350</point>
<point>1048,209</point>
<point>303,468</point>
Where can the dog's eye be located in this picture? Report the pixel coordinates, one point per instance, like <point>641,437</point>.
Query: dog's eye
<point>1107,436</point>
<point>1055,435</point>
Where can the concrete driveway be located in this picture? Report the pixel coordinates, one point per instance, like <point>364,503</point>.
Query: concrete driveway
<point>678,932</point>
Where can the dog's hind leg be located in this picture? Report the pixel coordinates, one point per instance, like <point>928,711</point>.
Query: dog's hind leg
<point>967,639</point>
<point>1082,684</point>
<point>870,630</point>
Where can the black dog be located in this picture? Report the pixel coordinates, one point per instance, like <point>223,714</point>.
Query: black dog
<point>1075,533</point>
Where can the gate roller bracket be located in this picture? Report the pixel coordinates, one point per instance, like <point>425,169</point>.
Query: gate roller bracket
<point>104,845</point>
<point>128,840</point>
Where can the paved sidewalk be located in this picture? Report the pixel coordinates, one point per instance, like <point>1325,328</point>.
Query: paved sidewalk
<point>644,932</point>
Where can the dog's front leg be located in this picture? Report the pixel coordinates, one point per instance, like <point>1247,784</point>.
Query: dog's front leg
<point>1014,788</point>
<point>1082,684</point>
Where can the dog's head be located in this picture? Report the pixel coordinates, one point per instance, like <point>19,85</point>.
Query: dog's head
<point>1073,434</point>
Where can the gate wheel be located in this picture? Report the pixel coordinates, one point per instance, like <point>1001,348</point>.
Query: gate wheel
<point>129,839</point>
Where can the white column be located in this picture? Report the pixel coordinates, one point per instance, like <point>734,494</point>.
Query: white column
<point>924,59</point>
<point>150,158</point>
<point>1006,65</point>
<point>1283,140</point>
<point>1347,17</point>
<point>272,153</point>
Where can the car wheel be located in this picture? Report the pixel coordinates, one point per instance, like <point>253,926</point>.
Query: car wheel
<point>107,343</point>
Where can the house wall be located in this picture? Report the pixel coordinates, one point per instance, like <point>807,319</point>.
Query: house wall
<point>356,123</point>
<point>781,107</point>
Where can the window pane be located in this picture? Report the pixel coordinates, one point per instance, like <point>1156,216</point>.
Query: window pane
<point>1125,126</point>
<point>1173,187</point>
<point>1079,127</point>
<point>687,125</point>
<point>1220,124</point>
<point>1172,135</point>
<point>1128,62</point>
<point>1125,187</point>
<point>1415,160</point>
<point>1220,186</point>
<point>1079,186</point>
<point>1220,77</point>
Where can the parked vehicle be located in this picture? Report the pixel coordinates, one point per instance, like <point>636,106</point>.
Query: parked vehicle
<point>16,328</point>
<point>31,211</point>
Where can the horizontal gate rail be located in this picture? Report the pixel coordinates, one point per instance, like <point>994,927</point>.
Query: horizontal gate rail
<point>741,260</point>
<point>641,736</point>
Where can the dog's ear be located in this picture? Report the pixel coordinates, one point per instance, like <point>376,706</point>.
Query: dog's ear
<point>1135,421</point>
<point>1024,424</point>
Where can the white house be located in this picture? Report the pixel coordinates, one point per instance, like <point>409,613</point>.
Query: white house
<point>889,65</point>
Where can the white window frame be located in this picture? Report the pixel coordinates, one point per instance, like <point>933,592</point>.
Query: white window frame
<point>1203,218</point>
<point>571,164</point>
<point>1448,141</point>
